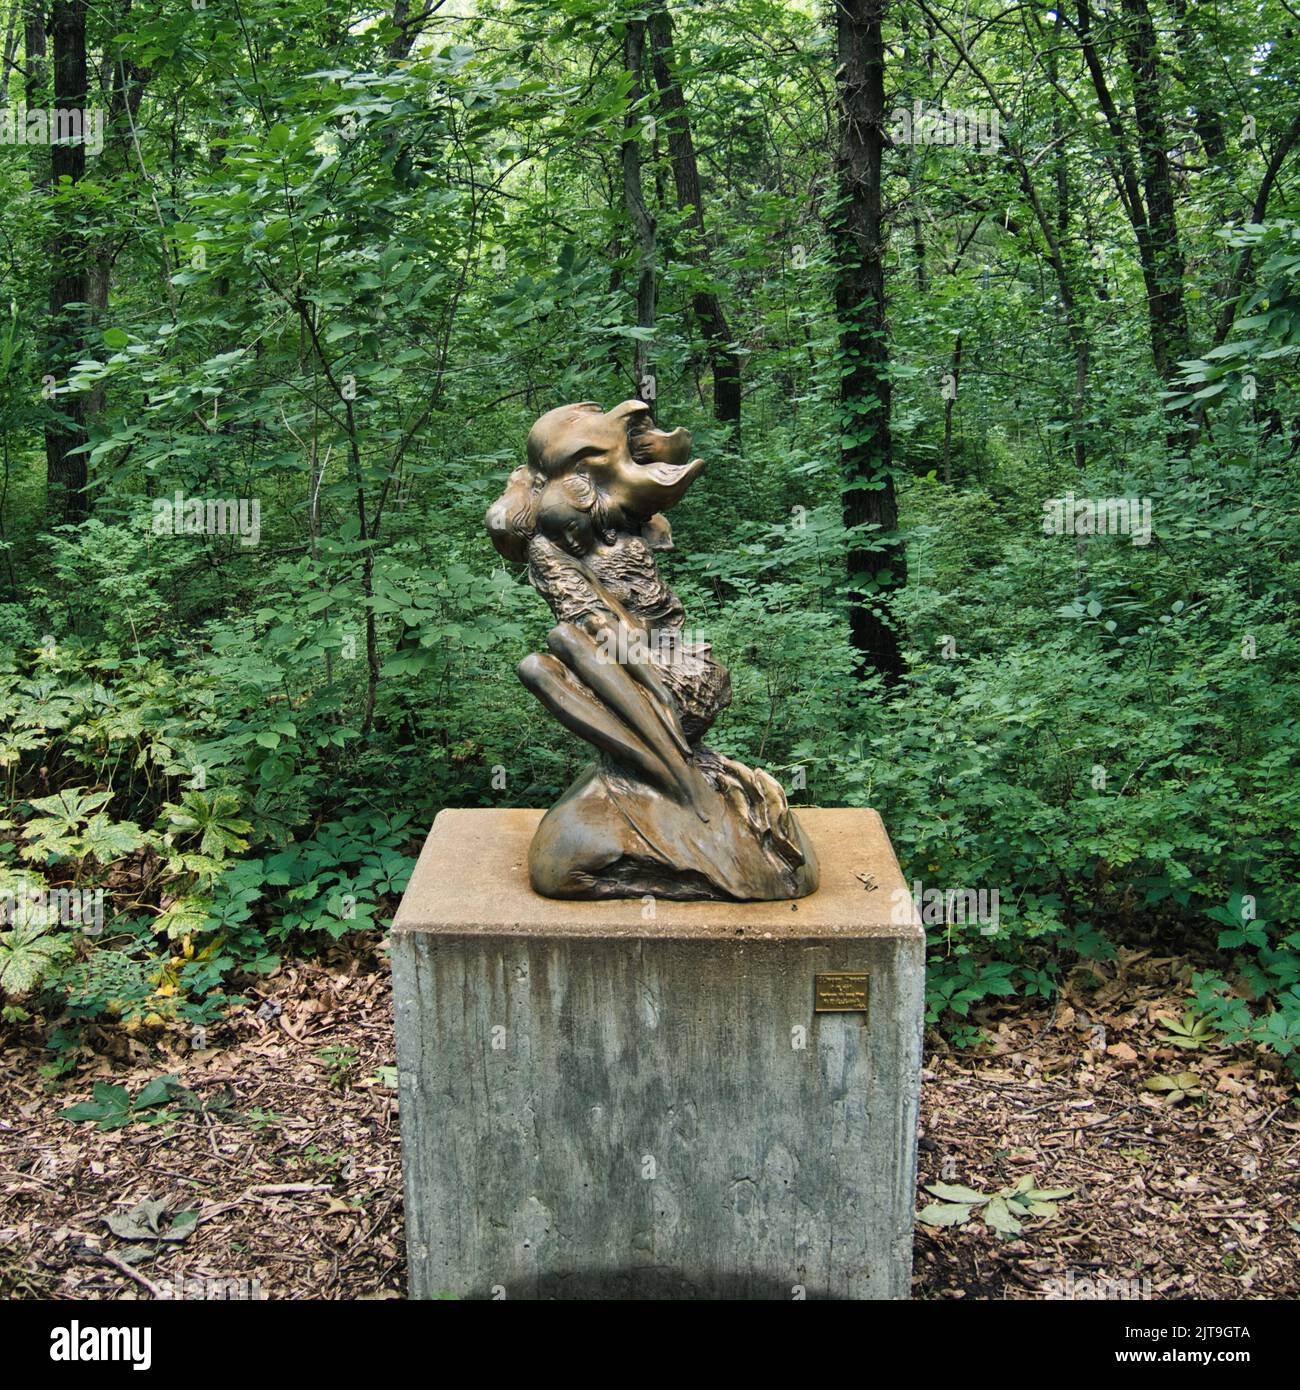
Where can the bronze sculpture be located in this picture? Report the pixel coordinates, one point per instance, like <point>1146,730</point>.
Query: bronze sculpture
<point>658,812</point>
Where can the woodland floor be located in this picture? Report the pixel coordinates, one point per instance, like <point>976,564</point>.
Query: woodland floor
<point>285,1143</point>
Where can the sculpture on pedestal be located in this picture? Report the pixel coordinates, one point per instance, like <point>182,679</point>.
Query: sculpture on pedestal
<point>658,812</point>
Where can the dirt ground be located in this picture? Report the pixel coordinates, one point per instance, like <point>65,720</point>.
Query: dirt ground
<point>275,1159</point>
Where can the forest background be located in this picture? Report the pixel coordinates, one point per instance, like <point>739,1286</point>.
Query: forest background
<point>985,317</point>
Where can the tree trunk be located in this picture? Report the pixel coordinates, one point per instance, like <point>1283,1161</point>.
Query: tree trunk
<point>1075,322</point>
<point>709,313</point>
<point>1168,312</point>
<point>1208,120</point>
<point>65,469</point>
<point>915,193</point>
<point>34,55</point>
<point>1230,288</point>
<point>409,27</point>
<point>11,47</point>
<point>642,223</point>
<point>876,562</point>
<point>949,402</point>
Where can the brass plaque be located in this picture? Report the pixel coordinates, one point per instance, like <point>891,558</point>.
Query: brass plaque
<point>839,992</point>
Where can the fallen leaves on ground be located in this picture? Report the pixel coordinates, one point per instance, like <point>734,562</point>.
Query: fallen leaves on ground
<point>271,1155</point>
<point>1183,1155</point>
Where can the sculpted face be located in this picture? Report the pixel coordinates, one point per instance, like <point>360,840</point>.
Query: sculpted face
<point>638,469</point>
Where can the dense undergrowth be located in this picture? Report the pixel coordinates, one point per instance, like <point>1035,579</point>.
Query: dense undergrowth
<point>1126,767</point>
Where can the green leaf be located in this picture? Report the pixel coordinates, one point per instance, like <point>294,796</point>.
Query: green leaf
<point>110,840</point>
<point>29,951</point>
<point>109,1107</point>
<point>156,1091</point>
<point>997,1214</point>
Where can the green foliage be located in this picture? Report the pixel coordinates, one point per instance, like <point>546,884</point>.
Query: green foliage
<point>345,273</point>
<point>29,955</point>
<point>1183,1085</point>
<point>194,884</point>
<point>1266,328</point>
<point>1004,1211</point>
<point>1191,1032</point>
<point>1262,1006</point>
<point>340,1062</point>
<point>113,1107</point>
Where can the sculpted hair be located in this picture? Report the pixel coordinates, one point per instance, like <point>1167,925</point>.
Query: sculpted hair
<point>512,519</point>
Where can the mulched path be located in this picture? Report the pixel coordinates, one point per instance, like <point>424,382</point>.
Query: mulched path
<point>1191,1198</point>
<point>284,1141</point>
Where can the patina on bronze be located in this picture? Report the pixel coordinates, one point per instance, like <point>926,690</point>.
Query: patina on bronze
<point>840,992</point>
<point>657,812</point>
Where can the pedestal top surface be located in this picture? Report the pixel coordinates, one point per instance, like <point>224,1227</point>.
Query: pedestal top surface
<point>472,878</point>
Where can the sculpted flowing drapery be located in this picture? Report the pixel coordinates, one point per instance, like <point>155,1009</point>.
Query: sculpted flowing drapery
<point>657,812</point>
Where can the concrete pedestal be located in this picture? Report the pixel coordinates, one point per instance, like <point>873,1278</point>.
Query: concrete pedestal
<point>639,1099</point>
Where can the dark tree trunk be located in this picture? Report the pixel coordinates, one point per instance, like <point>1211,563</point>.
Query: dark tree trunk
<point>1245,263</point>
<point>1061,161</point>
<point>34,55</point>
<point>410,26</point>
<point>70,287</point>
<point>11,47</point>
<point>1130,193</point>
<point>709,313</point>
<point>634,201</point>
<point>1064,203</point>
<point>1208,121</point>
<point>123,93</point>
<point>1168,312</point>
<point>876,567</point>
<point>949,403</point>
<point>915,193</point>
<point>1076,325</point>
